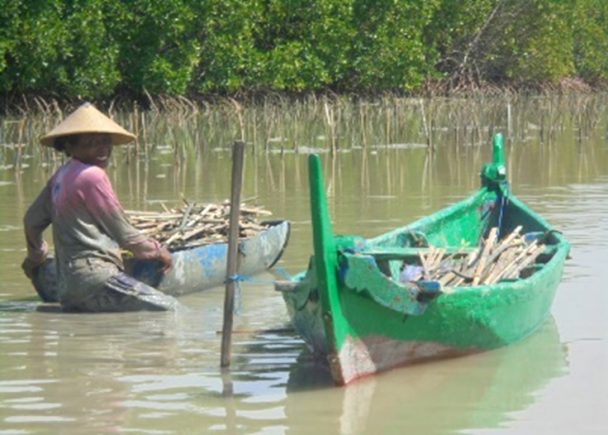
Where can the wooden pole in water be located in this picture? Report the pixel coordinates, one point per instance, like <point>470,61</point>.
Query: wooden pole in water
<point>233,243</point>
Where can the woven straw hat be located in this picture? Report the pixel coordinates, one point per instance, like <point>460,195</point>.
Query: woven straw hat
<point>87,119</point>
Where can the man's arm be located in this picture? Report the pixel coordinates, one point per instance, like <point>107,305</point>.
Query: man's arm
<point>37,218</point>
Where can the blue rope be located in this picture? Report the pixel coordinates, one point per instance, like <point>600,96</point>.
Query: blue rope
<point>503,200</point>
<point>238,279</point>
<point>256,281</point>
<point>249,280</point>
<point>500,213</point>
<point>284,274</point>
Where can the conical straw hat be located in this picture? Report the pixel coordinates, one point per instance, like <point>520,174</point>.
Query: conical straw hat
<point>87,119</point>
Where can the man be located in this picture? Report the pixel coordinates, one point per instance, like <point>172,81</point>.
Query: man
<point>89,224</point>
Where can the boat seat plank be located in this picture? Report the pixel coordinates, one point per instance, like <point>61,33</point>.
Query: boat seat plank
<point>395,253</point>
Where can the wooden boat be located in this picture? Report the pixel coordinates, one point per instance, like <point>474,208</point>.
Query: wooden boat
<point>352,307</point>
<point>193,269</point>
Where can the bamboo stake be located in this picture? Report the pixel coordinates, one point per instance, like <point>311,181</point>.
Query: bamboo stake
<point>233,236</point>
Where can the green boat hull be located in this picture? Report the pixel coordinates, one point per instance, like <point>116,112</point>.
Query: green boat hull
<point>352,309</point>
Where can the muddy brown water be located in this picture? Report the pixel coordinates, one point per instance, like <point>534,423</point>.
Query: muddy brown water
<point>159,372</point>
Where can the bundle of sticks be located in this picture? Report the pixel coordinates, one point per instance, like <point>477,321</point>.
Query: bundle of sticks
<point>196,224</point>
<point>493,260</point>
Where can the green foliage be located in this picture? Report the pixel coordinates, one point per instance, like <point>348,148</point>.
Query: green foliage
<point>303,43</point>
<point>88,61</point>
<point>389,51</point>
<point>55,47</point>
<point>284,37</point>
<point>229,61</point>
<point>32,37</point>
<point>590,29</point>
<point>100,48</point>
<point>455,32</point>
<point>159,49</point>
<point>542,48</point>
<point>503,40</point>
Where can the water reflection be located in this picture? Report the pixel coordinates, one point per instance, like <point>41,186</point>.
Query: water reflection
<point>480,391</point>
<point>275,387</point>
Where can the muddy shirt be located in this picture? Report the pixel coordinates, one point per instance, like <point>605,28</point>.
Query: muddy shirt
<point>89,228</point>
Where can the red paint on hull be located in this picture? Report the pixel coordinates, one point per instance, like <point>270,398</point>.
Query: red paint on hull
<point>363,357</point>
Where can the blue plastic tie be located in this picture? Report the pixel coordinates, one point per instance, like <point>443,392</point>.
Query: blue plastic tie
<point>236,278</point>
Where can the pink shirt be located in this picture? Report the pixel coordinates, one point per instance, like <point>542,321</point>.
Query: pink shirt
<point>88,223</point>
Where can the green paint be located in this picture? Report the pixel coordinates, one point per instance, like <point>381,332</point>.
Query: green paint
<point>494,175</point>
<point>362,275</point>
<point>325,259</point>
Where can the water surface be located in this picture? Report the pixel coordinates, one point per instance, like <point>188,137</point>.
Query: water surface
<point>159,372</point>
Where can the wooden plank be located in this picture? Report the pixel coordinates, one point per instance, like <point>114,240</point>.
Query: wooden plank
<point>489,245</point>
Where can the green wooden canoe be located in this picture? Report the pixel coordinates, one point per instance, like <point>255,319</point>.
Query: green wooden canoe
<point>352,308</point>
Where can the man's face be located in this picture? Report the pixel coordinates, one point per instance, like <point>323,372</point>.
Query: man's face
<point>93,149</point>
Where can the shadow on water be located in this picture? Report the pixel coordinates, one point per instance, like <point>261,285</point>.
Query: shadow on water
<point>21,305</point>
<point>479,391</point>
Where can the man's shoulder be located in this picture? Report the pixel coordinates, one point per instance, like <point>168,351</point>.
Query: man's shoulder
<point>84,173</point>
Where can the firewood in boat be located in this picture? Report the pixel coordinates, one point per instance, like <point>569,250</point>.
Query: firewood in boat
<point>494,260</point>
<point>196,224</point>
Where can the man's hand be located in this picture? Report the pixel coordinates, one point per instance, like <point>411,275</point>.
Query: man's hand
<point>166,259</point>
<point>29,267</point>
